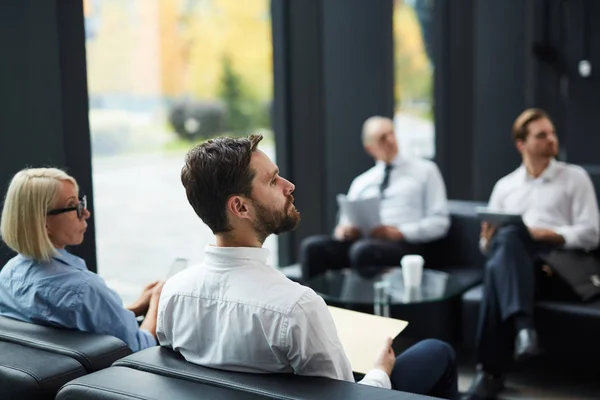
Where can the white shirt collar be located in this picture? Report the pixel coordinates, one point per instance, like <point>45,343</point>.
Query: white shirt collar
<point>547,175</point>
<point>233,255</point>
<point>397,161</point>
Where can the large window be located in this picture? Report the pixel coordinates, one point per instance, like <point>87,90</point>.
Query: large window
<point>164,75</point>
<point>414,77</point>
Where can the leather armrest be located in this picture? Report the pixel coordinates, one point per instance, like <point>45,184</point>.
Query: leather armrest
<point>27,373</point>
<point>166,362</point>
<point>118,383</point>
<point>93,351</point>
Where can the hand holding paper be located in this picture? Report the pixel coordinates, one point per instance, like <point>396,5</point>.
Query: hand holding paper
<point>361,213</point>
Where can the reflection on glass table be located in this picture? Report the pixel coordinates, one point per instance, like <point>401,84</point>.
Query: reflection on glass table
<point>383,287</point>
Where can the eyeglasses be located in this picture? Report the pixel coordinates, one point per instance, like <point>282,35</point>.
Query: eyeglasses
<point>82,205</point>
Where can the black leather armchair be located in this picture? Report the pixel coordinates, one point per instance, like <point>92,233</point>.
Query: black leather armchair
<point>36,360</point>
<point>119,383</point>
<point>27,373</point>
<point>92,351</point>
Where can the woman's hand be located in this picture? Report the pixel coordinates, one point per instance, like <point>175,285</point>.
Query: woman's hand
<point>140,306</point>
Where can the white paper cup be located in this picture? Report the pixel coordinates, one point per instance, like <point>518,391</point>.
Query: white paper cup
<point>412,270</point>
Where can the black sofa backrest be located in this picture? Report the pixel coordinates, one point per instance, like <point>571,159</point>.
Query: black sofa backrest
<point>166,362</point>
<point>119,383</point>
<point>460,247</point>
<point>92,351</point>
<point>27,373</point>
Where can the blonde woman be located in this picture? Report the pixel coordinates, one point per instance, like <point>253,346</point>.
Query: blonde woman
<point>44,283</point>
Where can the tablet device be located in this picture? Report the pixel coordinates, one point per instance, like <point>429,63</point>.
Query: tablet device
<point>178,265</point>
<point>498,218</point>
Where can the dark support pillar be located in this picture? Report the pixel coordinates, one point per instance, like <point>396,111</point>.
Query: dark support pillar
<point>454,94</point>
<point>483,57</point>
<point>43,101</point>
<point>500,54</point>
<point>333,68</point>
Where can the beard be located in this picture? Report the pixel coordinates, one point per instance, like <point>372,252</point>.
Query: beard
<point>270,222</point>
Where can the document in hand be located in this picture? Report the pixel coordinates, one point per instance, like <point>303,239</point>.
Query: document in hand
<point>362,213</point>
<point>363,335</point>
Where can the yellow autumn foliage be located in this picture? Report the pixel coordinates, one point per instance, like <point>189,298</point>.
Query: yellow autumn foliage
<point>413,73</point>
<point>194,42</point>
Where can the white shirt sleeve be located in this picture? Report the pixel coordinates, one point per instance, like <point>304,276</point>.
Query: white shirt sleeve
<point>314,348</point>
<point>436,221</point>
<point>584,232</point>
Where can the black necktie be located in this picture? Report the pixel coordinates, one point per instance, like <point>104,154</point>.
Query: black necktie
<point>386,178</point>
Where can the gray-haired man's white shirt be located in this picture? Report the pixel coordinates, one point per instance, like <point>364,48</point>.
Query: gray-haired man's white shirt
<point>414,202</point>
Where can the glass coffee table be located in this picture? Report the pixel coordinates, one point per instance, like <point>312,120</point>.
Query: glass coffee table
<point>381,291</point>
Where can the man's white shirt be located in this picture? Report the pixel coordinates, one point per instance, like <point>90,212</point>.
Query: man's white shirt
<point>234,312</point>
<point>562,199</point>
<point>414,202</point>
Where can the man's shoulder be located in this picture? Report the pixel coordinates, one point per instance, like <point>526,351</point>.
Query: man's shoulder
<point>365,176</point>
<point>422,166</point>
<point>509,179</point>
<point>263,288</point>
<point>182,282</point>
<point>572,170</point>
<point>421,162</point>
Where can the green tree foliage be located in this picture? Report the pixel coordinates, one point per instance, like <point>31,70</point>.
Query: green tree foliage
<point>244,112</point>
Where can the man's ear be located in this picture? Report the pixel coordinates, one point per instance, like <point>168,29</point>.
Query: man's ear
<point>238,206</point>
<point>520,145</point>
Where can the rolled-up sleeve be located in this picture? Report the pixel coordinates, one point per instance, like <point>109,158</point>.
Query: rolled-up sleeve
<point>101,311</point>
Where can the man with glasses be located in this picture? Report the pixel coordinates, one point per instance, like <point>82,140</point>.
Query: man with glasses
<point>558,206</point>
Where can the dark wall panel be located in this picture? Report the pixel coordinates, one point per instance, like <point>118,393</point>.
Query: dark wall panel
<point>43,96</point>
<point>333,68</point>
<point>500,52</point>
<point>454,94</point>
<point>358,82</point>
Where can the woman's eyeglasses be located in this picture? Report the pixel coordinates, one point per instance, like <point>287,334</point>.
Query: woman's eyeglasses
<point>82,205</point>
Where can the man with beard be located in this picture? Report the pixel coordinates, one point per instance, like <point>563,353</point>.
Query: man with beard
<point>558,205</point>
<point>234,312</point>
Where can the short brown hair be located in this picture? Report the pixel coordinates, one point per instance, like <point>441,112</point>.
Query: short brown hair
<point>520,127</point>
<point>213,172</point>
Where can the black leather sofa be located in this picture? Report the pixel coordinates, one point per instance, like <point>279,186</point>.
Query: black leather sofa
<point>27,373</point>
<point>160,373</point>
<point>36,360</point>
<point>564,327</point>
<point>118,383</point>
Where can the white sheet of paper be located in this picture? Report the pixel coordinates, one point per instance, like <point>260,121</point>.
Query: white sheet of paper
<point>362,213</point>
<point>363,335</point>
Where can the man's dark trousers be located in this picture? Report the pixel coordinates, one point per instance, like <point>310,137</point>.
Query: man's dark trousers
<point>509,289</point>
<point>321,253</point>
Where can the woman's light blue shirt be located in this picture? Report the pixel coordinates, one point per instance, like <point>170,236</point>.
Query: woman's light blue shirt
<point>64,293</point>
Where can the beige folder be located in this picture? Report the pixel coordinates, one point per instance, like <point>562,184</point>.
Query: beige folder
<point>363,335</point>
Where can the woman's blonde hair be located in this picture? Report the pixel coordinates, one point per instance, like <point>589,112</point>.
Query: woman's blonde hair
<point>31,193</point>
